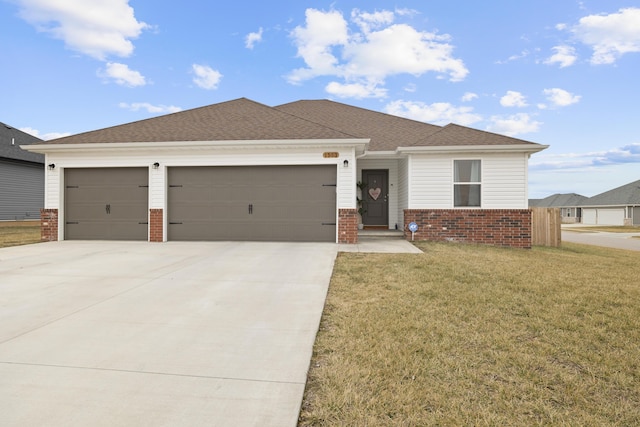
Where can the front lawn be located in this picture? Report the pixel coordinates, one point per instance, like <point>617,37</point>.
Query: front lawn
<point>477,335</point>
<point>17,233</point>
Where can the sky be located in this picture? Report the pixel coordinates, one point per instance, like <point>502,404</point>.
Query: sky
<point>562,73</point>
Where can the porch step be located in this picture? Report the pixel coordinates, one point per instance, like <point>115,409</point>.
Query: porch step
<point>391,234</point>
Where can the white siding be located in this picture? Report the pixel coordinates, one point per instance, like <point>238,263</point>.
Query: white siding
<point>431,182</point>
<point>403,190</point>
<point>504,180</point>
<point>392,166</point>
<point>347,181</point>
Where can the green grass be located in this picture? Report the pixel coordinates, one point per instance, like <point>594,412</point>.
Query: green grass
<point>477,335</point>
<point>14,234</point>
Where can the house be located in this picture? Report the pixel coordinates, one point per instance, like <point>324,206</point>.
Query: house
<point>620,206</point>
<point>241,170</point>
<point>21,176</point>
<point>569,205</point>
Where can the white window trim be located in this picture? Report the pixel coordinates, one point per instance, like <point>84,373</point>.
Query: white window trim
<point>454,183</point>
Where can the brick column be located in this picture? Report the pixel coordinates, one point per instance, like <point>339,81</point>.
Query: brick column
<point>348,226</point>
<point>49,225</point>
<point>156,223</point>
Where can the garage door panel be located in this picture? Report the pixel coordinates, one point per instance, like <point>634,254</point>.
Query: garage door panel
<point>589,216</point>
<point>611,216</point>
<point>106,204</point>
<point>280,203</point>
<point>96,230</point>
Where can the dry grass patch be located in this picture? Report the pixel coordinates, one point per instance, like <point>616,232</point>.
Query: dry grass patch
<point>14,234</point>
<point>474,335</point>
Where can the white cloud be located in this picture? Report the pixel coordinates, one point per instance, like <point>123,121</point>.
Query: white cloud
<point>513,125</point>
<point>96,28</point>
<point>355,90</point>
<point>368,21</point>
<point>560,97</point>
<point>373,49</point>
<point>564,55</point>
<point>411,88</point>
<point>206,77</point>
<point>513,99</point>
<point>122,75</point>
<point>315,43</point>
<point>469,96</point>
<point>610,36</point>
<point>440,113</point>
<point>525,53</point>
<point>253,38</point>
<point>150,108</point>
<point>45,136</point>
<point>619,155</point>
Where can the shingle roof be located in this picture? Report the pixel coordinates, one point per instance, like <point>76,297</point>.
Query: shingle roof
<point>559,201</point>
<point>240,119</point>
<point>387,132</point>
<point>453,134</point>
<point>243,119</point>
<point>628,194</point>
<point>10,141</point>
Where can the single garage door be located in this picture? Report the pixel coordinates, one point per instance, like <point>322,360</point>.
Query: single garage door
<point>106,204</point>
<point>611,216</point>
<point>589,216</point>
<point>252,203</point>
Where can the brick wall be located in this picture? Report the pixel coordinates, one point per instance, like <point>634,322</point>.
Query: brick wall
<point>49,225</point>
<point>348,226</point>
<point>156,223</point>
<point>498,227</point>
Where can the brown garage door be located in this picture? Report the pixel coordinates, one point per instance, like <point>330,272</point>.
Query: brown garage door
<point>106,204</point>
<point>259,203</point>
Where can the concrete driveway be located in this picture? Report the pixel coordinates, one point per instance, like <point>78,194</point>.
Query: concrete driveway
<point>148,334</point>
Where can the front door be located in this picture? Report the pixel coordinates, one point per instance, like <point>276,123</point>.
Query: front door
<point>375,197</point>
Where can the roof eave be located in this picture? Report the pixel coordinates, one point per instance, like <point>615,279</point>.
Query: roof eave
<point>360,144</point>
<point>390,154</point>
<point>516,148</point>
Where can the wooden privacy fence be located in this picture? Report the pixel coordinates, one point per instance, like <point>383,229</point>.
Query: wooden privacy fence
<point>545,227</point>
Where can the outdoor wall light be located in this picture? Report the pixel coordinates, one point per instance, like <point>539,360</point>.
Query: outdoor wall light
<point>156,165</point>
<point>346,163</point>
<point>52,166</point>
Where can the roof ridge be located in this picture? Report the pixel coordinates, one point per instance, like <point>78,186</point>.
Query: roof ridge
<point>311,121</point>
<point>360,108</point>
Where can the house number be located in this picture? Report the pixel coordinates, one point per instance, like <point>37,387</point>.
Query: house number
<point>330,154</point>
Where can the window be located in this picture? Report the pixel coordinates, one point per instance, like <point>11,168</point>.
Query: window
<point>466,183</point>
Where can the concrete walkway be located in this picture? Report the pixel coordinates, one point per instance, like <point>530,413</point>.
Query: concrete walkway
<point>381,241</point>
<point>147,334</point>
<point>381,245</point>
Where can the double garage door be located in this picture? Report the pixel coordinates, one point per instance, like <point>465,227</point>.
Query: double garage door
<point>258,203</point>
<point>603,216</point>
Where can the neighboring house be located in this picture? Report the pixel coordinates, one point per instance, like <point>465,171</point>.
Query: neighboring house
<point>240,170</point>
<point>620,206</point>
<point>21,176</point>
<point>569,205</point>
